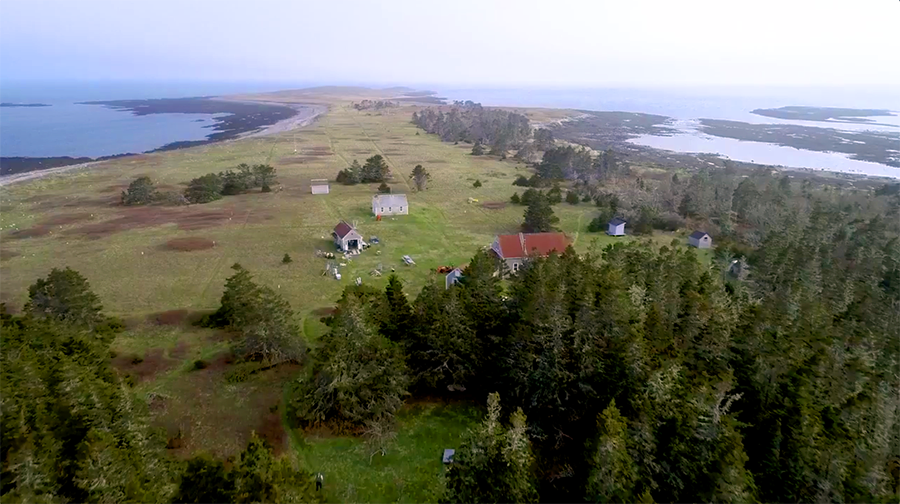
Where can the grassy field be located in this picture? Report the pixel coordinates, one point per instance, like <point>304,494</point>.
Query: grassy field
<point>128,256</point>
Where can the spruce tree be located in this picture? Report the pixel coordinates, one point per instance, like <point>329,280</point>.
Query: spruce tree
<point>539,216</point>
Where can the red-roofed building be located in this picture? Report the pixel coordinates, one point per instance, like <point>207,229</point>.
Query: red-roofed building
<point>516,249</point>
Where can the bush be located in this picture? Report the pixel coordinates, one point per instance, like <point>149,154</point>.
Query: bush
<point>384,188</point>
<point>521,181</point>
<point>477,184</point>
<point>514,199</point>
<point>554,195</point>
<point>286,259</point>
<point>242,372</point>
<point>572,198</point>
<point>200,364</point>
<point>478,149</point>
<point>204,189</point>
<point>141,191</point>
<point>669,222</point>
<point>137,359</point>
<point>172,198</point>
<point>586,198</point>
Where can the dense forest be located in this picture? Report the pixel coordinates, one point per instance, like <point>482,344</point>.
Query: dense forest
<point>633,373</point>
<point>501,130</point>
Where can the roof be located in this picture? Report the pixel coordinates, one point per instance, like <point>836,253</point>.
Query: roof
<point>617,222</point>
<point>318,182</point>
<point>389,200</point>
<point>342,229</point>
<point>698,234</point>
<point>531,244</point>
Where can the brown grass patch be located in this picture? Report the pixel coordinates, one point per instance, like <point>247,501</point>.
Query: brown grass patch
<point>146,368</point>
<point>180,351</point>
<point>297,159</point>
<point>6,254</point>
<point>115,188</point>
<point>325,311</point>
<point>32,232</point>
<point>168,318</point>
<point>190,244</point>
<point>187,218</point>
<point>494,205</point>
<point>66,219</point>
<point>318,151</point>
<point>437,161</point>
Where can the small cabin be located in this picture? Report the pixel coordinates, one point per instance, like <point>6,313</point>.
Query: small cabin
<point>319,186</point>
<point>700,240</point>
<point>616,227</point>
<point>452,277</point>
<point>347,238</point>
<point>390,204</point>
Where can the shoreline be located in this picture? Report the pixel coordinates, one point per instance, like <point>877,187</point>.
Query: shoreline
<point>296,121</point>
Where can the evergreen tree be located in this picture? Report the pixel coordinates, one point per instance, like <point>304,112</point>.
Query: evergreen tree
<point>421,177</point>
<point>64,296</point>
<point>141,191</point>
<point>612,475</point>
<point>398,322</point>
<point>494,463</point>
<point>477,149</point>
<point>514,199</point>
<point>375,170</point>
<point>204,189</point>
<point>358,376</point>
<point>539,216</point>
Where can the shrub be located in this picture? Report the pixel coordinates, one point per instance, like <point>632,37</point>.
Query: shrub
<point>286,259</point>
<point>204,189</point>
<point>478,149</point>
<point>200,364</point>
<point>137,359</point>
<point>521,181</point>
<point>477,184</point>
<point>572,198</point>
<point>242,372</point>
<point>586,198</point>
<point>141,191</point>
<point>384,188</point>
<point>554,195</point>
<point>515,200</point>
<point>669,222</point>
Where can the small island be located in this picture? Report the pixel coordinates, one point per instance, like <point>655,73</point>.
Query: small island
<point>824,114</point>
<point>9,104</point>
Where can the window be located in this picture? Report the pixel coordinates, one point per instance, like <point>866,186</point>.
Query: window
<point>401,209</point>
<point>390,209</point>
<point>515,266</point>
<point>382,209</point>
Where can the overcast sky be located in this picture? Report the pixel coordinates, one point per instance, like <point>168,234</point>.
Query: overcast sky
<point>460,42</point>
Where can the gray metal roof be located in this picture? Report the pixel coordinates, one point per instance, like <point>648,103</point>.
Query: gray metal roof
<point>617,221</point>
<point>389,200</point>
<point>698,234</point>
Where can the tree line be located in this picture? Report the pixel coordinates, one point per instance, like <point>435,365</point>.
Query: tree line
<point>642,374</point>
<point>501,130</point>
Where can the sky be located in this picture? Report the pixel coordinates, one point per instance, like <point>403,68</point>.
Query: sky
<point>562,43</point>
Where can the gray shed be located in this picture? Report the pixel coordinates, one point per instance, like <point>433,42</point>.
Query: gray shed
<point>616,227</point>
<point>319,186</point>
<point>700,239</point>
<point>452,277</point>
<point>448,456</point>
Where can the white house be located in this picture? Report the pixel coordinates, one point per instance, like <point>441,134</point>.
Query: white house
<point>390,204</point>
<point>700,239</point>
<point>616,227</point>
<point>452,277</point>
<point>319,186</point>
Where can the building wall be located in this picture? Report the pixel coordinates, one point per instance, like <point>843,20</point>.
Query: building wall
<point>514,264</point>
<point>704,243</point>
<point>616,230</point>
<point>320,189</point>
<point>378,210</point>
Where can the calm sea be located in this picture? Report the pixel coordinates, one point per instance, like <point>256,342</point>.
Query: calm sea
<point>69,129</point>
<point>66,128</point>
<point>686,106</point>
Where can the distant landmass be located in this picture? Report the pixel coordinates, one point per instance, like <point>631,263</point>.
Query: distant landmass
<point>825,114</point>
<point>17,164</point>
<point>9,104</point>
<point>242,117</point>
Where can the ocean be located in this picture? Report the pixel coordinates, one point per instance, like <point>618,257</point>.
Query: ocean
<point>67,128</point>
<point>685,106</point>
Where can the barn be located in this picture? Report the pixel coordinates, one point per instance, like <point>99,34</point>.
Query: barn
<point>516,249</point>
<point>347,238</point>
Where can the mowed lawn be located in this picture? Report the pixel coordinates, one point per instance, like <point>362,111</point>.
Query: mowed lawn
<point>74,220</point>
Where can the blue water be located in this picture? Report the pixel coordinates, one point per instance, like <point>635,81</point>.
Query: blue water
<point>685,106</point>
<point>69,129</point>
